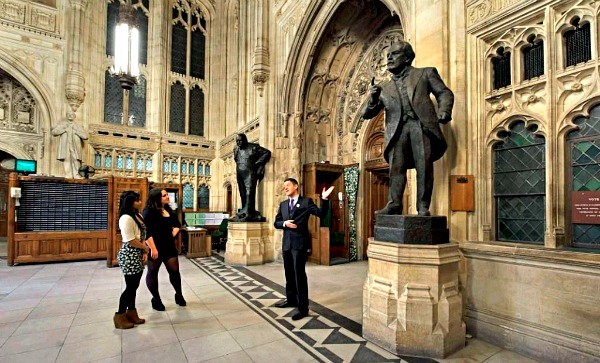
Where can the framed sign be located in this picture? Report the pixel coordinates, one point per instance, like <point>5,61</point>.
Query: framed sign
<point>462,193</point>
<point>585,207</point>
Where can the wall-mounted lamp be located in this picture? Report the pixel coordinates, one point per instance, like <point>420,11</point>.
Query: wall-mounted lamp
<point>341,199</point>
<point>127,40</point>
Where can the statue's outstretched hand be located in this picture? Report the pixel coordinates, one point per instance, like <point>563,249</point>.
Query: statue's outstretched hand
<point>325,194</point>
<point>375,91</point>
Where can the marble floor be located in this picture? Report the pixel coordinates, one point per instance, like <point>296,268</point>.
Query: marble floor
<point>62,312</point>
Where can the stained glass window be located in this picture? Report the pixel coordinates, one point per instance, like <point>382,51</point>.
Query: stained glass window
<point>519,185</point>
<point>114,95</point>
<point>120,162</point>
<point>188,196</point>
<point>97,160</point>
<point>140,163</point>
<point>137,104</point>
<point>129,163</point>
<point>197,112</point>
<point>584,146</point>
<point>188,45</point>
<point>166,166</point>
<point>203,197</point>
<point>108,162</point>
<point>113,100</point>
<point>177,111</point>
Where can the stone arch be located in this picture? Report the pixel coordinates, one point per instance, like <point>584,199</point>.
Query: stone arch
<point>322,65</point>
<point>488,214</point>
<point>34,86</point>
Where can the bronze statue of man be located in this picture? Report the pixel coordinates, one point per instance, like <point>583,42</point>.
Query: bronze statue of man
<point>413,138</point>
<point>250,159</point>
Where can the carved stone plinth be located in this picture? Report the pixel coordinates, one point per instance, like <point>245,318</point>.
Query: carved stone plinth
<point>411,301</point>
<point>411,229</point>
<point>248,243</point>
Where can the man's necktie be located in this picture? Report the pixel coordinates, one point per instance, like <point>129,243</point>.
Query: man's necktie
<point>291,204</point>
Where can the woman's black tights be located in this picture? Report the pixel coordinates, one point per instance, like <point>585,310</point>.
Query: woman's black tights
<point>127,300</point>
<point>172,266</point>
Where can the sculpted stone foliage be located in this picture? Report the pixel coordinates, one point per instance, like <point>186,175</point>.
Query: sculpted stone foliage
<point>351,52</point>
<point>17,106</point>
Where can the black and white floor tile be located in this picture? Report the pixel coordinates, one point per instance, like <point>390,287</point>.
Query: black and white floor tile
<point>324,334</point>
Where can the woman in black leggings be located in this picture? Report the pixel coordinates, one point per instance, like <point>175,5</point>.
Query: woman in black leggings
<point>163,226</point>
<point>131,258</point>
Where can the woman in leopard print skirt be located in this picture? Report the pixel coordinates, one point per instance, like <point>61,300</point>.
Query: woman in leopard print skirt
<point>131,257</point>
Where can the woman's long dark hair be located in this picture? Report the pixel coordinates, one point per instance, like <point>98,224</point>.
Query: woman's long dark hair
<point>155,200</point>
<point>126,201</point>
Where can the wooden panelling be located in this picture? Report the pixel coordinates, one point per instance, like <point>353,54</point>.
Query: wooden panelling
<point>59,246</point>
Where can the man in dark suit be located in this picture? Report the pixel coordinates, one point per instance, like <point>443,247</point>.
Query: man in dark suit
<point>413,138</point>
<point>293,217</point>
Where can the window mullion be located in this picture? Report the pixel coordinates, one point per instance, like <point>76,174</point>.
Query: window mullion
<point>188,65</point>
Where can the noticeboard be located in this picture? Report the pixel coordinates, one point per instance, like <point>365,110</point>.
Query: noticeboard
<point>585,207</point>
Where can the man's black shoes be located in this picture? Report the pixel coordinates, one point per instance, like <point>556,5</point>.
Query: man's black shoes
<point>284,304</point>
<point>299,315</point>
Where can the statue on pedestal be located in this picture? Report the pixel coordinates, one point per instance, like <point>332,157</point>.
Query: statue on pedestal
<point>69,146</point>
<point>413,138</point>
<point>250,159</point>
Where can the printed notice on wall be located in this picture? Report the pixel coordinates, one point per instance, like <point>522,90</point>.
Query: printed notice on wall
<point>585,207</point>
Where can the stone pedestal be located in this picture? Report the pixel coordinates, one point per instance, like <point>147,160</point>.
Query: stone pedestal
<point>411,229</point>
<point>248,243</point>
<point>411,301</point>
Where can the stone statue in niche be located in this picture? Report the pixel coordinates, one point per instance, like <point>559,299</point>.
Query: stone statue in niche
<point>70,144</point>
<point>413,138</point>
<point>250,159</point>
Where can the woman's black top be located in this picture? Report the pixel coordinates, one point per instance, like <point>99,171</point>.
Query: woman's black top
<point>160,228</point>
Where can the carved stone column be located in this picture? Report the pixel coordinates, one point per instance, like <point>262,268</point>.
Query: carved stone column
<point>260,67</point>
<point>75,83</point>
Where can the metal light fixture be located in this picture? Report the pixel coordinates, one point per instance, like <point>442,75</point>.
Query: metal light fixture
<point>127,40</point>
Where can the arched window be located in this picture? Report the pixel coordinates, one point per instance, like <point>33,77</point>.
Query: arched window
<point>188,196</point>
<point>520,185</point>
<point>501,69</point>
<point>203,197</point>
<point>533,58</point>
<point>188,43</point>
<point>121,106</point>
<point>584,150</point>
<point>578,43</point>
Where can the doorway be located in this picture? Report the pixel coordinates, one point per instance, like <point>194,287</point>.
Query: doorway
<point>5,170</point>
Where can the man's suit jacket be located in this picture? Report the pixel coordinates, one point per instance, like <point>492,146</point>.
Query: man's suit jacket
<point>420,82</point>
<point>298,238</point>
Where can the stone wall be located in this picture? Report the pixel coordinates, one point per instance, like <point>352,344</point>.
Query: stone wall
<point>535,301</point>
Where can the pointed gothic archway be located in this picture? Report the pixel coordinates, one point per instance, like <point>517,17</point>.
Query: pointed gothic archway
<point>338,48</point>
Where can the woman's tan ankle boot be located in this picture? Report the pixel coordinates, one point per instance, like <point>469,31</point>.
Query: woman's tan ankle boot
<point>121,321</point>
<point>133,317</point>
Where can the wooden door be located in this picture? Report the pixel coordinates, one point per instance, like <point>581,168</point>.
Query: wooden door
<point>376,197</point>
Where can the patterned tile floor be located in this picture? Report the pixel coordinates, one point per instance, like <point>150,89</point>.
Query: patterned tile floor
<point>62,312</point>
<point>326,335</point>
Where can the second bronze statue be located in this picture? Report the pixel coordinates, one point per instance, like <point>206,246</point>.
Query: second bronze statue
<point>250,159</point>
